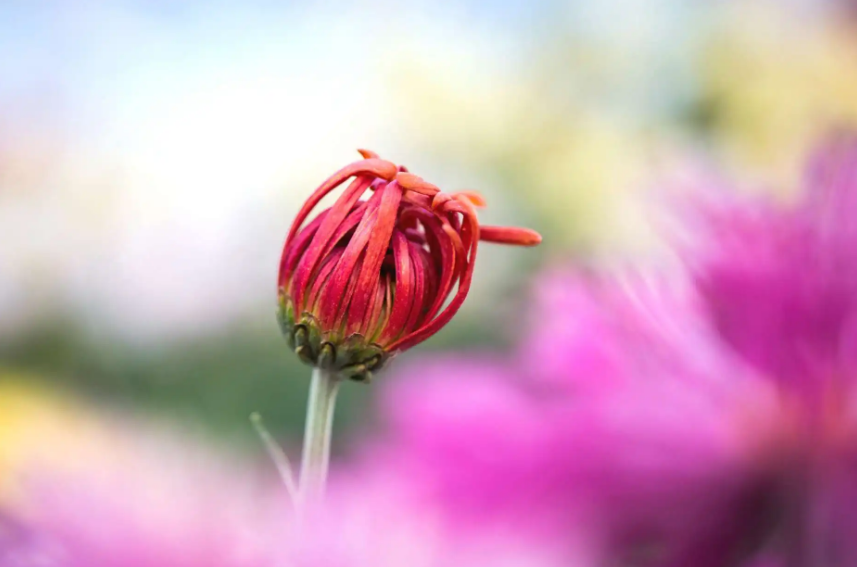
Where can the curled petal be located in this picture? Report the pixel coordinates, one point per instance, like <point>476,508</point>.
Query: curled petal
<point>379,241</point>
<point>337,295</point>
<point>423,286</point>
<point>368,167</point>
<point>473,197</point>
<point>337,213</point>
<point>404,296</point>
<point>458,245</point>
<point>382,322</point>
<point>415,235</point>
<point>445,256</point>
<point>422,201</point>
<point>374,316</point>
<point>434,325</point>
<point>322,278</point>
<point>454,206</point>
<point>439,201</point>
<point>417,184</point>
<point>292,254</point>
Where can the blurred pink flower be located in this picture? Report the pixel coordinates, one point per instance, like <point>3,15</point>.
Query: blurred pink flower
<point>377,517</point>
<point>699,420</point>
<point>781,283</point>
<point>646,450</point>
<point>143,499</point>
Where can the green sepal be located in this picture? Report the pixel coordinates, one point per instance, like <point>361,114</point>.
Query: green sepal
<point>353,357</point>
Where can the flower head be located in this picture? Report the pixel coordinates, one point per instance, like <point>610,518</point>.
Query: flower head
<point>625,435</point>
<point>368,278</point>
<point>781,282</point>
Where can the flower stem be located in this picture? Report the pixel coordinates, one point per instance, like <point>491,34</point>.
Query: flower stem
<point>317,434</point>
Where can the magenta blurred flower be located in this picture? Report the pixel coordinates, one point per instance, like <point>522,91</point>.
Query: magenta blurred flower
<point>781,290</point>
<point>781,283</point>
<point>143,500</point>
<point>376,517</point>
<point>621,441</point>
<point>709,419</point>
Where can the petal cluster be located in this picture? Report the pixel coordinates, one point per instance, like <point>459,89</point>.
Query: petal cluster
<point>369,277</point>
<point>780,282</point>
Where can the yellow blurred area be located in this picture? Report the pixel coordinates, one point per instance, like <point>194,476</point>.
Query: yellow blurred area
<point>777,80</point>
<point>41,427</point>
<point>579,167</point>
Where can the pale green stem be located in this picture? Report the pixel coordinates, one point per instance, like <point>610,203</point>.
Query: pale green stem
<point>317,434</point>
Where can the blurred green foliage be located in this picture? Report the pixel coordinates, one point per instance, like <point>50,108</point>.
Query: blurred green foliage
<point>213,382</point>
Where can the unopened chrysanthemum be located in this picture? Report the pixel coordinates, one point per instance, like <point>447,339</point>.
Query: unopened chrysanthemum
<point>367,278</point>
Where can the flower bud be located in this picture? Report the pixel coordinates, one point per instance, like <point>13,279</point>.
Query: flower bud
<point>371,277</point>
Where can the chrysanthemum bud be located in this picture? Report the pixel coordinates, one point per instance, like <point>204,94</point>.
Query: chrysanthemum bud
<point>367,278</point>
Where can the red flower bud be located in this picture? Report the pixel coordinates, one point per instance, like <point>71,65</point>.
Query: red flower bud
<point>366,279</point>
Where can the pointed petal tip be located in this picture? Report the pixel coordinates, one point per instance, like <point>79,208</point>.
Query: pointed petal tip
<point>534,238</point>
<point>367,154</point>
<point>510,235</point>
<point>476,199</point>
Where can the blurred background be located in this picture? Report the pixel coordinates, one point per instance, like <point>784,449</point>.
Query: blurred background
<point>153,155</point>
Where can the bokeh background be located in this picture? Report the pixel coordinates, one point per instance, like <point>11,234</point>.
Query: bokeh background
<point>153,154</point>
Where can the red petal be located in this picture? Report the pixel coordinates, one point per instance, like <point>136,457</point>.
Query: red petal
<point>293,253</point>
<point>425,280</point>
<point>509,235</point>
<point>404,296</point>
<point>417,184</point>
<point>367,154</point>
<point>439,201</point>
<point>367,326</point>
<point>433,232</point>
<point>321,243</point>
<point>320,281</point>
<point>423,201</point>
<point>349,224</point>
<point>415,235</point>
<point>337,295</point>
<point>379,241</point>
<point>368,167</point>
<point>472,197</point>
<point>434,325</point>
<point>378,316</point>
<point>443,252</point>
